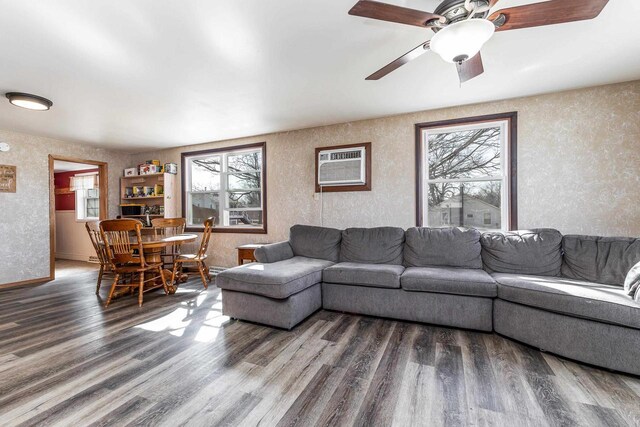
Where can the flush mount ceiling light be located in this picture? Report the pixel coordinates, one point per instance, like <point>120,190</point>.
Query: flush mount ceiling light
<point>462,40</point>
<point>28,101</point>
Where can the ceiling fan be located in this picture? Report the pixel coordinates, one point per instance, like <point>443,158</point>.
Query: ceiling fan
<point>462,27</point>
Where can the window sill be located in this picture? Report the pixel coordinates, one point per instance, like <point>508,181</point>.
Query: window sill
<point>228,230</point>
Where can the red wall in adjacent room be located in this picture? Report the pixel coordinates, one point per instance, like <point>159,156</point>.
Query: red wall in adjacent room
<point>66,202</point>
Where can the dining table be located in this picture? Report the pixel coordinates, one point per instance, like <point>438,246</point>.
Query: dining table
<point>153,246</point>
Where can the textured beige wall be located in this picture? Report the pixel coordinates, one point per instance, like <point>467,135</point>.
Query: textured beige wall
<point>578,171</point>
<point>578,167</point>
<point>24,215</point>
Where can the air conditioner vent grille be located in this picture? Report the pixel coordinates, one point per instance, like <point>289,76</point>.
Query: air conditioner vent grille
<point>348,171</point>
<point>344,155</point>
<point>341,167</point>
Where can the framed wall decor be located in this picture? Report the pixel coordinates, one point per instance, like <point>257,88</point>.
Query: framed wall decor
<point>7,179</point>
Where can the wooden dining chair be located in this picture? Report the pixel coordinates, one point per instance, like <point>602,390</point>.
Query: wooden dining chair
<point>93,228</point>
<point>199,258</point>
<point>121,237</point>
<point>166,227</point>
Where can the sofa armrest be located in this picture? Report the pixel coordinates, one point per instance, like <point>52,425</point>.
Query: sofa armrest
<point>274,252</point>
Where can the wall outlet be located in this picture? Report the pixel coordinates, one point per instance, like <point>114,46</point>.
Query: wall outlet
<point>316,196</point>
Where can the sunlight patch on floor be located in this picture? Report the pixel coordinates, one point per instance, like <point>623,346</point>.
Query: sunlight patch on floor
<point>178,320</point>
<point>207,334</point>
<point>174,322</point>
<point>217,321</point>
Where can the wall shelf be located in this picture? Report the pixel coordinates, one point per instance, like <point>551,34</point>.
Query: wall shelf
<point>145,197</point>
<point>168,200</point>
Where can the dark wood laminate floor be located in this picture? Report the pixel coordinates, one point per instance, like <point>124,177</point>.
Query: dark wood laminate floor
<point>65,360</point>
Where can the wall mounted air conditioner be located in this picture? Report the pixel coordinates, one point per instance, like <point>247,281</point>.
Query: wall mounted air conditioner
<point>343,166</point>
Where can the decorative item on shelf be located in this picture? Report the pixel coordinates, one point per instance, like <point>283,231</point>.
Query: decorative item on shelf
<point>161,210</point>
<point>147,169</point>
<point>128,192</point>
<point>149,192</point>
<point>154,210</point>
<point>153,162</point>
<point>138,192</point>
<point>131,172</point>
<point>171,168</point>
<point>158,190</point>
<point>8,179</point>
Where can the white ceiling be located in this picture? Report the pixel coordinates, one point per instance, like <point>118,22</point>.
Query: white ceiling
<point>159,73</point>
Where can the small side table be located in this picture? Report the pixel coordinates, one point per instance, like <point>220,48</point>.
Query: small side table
<point>246,252</point>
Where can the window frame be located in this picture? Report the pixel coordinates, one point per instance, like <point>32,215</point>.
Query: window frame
<point>186,156</point>
<point>509,158</point>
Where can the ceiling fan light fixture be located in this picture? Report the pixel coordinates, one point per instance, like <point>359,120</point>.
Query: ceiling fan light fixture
<point>462,40</point>
<point>29,101</point>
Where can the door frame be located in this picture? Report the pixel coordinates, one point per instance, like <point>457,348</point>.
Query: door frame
<point>103,185</point>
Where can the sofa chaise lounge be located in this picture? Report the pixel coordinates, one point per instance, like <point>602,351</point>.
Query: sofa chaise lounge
<point>559,293</point>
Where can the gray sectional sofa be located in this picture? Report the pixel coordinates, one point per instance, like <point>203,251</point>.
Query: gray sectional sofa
<point>563,294</point>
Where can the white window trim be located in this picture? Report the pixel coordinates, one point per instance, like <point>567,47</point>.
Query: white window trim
<point>223,197</point>
<point>503,177</point>
<point>81,201</point>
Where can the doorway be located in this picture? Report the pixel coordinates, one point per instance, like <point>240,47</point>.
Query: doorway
<point>78,192</point>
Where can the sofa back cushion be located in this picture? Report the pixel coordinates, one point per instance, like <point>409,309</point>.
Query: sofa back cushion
<point>315,242</point>
<point>381,245</point>
<point>446,247</point>
<point>536,251</point>
<point>599,259</point>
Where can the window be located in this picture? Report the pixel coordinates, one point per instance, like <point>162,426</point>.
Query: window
<point>487,218</point>
<point>227,184</point>
<point>466,172</point>
<point>87,196</point>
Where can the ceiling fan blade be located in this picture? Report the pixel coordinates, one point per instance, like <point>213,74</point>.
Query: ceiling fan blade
<point>548,13</point>
<point>391,13</point>
<point>409,56</point>
<point>470,68</point>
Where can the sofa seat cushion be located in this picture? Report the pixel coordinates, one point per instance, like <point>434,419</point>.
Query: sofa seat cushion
<point>376,275</point>
<point>275,280</point>
<point>449,280</point>
<point>594,301</point>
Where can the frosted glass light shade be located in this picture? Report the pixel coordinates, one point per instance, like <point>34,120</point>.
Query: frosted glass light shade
<point>29,101</point>
<point>462,40</point>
